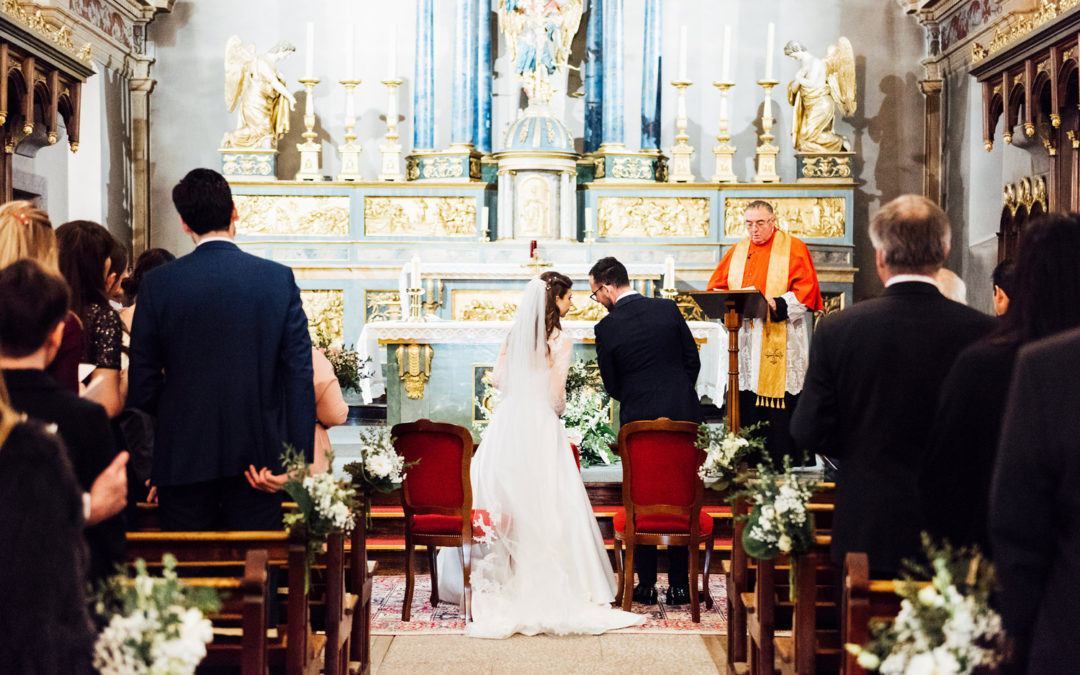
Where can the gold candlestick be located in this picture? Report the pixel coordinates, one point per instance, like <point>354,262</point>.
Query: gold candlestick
<point>310,151</point>
<point>766,151</point>
<point>681,152</point>
<point>350,150</point>
<point>724,171</point>
<point>391,149</point>
<point>416,304</point>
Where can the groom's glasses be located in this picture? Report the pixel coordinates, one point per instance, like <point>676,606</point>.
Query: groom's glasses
<point>592,296</point>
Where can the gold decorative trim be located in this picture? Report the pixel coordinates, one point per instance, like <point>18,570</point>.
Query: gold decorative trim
<point>690,310</point>
<point>420,216</point>
<point>325,310</point>
<point>833,303</point>
<point>1026,192</point>
<point>1015,27</point>
<point>292,215</point>
<point>36,23</point>
<point>501,305</point>
<point>653,217</point>
<point>382,305</point>
<point>414,368</point>
<point>810,217</point>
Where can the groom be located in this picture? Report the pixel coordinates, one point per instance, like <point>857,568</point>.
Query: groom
<point>649,363</point>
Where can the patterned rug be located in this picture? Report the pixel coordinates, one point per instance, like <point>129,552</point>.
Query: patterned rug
<point>388,596</point>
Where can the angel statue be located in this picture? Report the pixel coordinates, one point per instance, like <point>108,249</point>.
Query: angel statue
<point>256,90</point>
<point>819,86</point>
<point>540,33</point>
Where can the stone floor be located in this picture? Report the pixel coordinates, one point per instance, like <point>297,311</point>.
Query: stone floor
<point>595,655</point>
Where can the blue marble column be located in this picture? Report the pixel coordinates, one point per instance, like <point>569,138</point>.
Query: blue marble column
<point>482,137</point>
<point>613,73</point>
<point>594,76</point>
<point>650,77</point>
<point>424,84</point>
<point>462,124</point>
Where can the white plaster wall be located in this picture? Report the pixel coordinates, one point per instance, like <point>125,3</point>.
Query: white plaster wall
<point>188,115</point>
<point>86,197</point>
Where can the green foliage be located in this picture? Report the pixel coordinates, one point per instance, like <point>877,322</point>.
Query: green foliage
<point>348,368</point>
<point>779,521</point>
<point>725,451</point>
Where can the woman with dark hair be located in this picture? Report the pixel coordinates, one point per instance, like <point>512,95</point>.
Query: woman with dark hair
<point>148,260</point>
<point>43,616</point>
<point>86,250</point>
<point>543,567</point>
<point>955,478</point>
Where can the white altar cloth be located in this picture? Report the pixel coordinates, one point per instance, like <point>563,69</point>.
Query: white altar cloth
<point>712,380</point>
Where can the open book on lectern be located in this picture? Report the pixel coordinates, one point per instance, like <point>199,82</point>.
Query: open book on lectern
<point>749,303</point>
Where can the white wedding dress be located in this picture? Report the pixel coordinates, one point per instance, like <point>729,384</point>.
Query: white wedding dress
<point>540,566</point>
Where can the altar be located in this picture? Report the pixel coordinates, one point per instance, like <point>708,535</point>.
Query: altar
<point>434,369</point>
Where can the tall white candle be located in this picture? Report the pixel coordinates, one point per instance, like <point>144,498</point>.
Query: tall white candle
<point>771,38</point>
<point>350,53</point>
<point>309,54</point>
<point>588,220</point>
<point>726,70</point>
<point>415,272</point>
<point>391,65</point>
<point>682,53</point>
<point>485,223</point>
<point>669,272</point>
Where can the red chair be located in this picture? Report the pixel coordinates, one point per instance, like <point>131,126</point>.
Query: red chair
<point>662,497</point>
<point>436,496</point>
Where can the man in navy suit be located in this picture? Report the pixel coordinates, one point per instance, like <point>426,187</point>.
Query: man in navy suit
<point>649,363</point>
<point>220,355</point>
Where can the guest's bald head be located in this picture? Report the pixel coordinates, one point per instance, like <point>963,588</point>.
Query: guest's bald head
<point>911,236</point>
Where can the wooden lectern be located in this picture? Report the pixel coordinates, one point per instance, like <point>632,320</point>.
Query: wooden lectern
<point>732,307</point>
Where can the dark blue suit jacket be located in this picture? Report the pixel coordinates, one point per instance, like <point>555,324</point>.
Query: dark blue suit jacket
<point>648,360</point>
<point>220,355</point>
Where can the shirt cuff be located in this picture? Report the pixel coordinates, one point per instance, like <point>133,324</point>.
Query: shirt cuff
<point>86,506</point>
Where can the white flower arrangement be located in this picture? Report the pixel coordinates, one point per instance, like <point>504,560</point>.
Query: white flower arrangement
<point>380,467</point>
<point>779,520</point>
<point>946,627</point>
<point>156,626</point>
<point>724,451</point>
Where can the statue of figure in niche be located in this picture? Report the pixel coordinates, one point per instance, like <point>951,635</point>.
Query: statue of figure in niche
<point>820,86</point>
<point>257,91</point>
<point>540,33</point>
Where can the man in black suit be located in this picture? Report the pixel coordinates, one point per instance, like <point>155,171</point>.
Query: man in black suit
<point>33,305</point>
<point>873,381</point>
<point>649,363</point>
<point>1033,524</point>
<point>220,354</point>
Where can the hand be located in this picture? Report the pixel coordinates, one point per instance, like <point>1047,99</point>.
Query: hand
<point>772,303</point>
<point>151,496</point>
<point>108,494</point>
<point>263,479</point>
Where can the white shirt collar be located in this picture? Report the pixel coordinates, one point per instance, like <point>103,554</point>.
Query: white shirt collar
<point>627,293</point>
<point>205,240</point>
<point>902,278</point>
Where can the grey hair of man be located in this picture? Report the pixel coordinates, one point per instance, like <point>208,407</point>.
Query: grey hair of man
<point>911,234</point>
<point>760,204</point>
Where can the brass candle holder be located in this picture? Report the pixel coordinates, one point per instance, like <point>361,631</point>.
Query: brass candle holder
<point>682,151</point>
<point>310,151</point>
<point>724,151</point>
<point>391,149</point>
<point>350,150</point>
<point>766,151</point>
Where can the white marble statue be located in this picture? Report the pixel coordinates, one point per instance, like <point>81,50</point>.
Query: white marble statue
<point>820,86</point>
<point>257,91</point>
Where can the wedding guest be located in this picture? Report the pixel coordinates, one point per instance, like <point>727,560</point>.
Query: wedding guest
<point>25,232</point>
<point>220,355</point>
<point>649,363</point>
<point>330,411</point>
<point>32,308</point>
<point>43,612</point>
<point>955,481</point>
<point>85,262</point>
<point>873,382</point>
<point>148,260</point>
<point>118,272</point>
<point>1003,278</point>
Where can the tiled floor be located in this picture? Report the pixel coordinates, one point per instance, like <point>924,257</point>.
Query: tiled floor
<point>594,655</point>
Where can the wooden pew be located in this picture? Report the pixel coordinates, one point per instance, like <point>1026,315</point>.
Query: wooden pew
<point>298,650</point>
<point>865,600</point>
<point>360,575</point>
<point>814,643</point>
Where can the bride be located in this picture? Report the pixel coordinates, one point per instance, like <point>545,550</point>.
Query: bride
<point>539,564</point>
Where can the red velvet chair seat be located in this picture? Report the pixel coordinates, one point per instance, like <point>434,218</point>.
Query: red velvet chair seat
<point>663,523</point>
<point>432,523</point>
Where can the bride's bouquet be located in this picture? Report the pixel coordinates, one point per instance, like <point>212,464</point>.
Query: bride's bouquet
<point>946,627</point>
<point>156,625</point>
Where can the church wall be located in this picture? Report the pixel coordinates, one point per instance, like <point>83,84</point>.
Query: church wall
<point>188,115</point>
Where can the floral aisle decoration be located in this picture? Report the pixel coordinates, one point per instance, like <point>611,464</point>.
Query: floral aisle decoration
<point>587,417</point>
<point>324,504</point>
<point>380,468</point>
<point>779,520</point>
<point>944,627</point>
<point>348,368</point>
<point>155,625</point>
<point>724,451</point>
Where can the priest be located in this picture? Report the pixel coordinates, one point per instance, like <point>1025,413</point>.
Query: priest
<point>773,352</point>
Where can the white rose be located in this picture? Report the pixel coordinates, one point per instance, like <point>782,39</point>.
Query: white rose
<point>922,664</point>
<point>928,596</point>
<point>380,466</point>
<point>784,544</point>
<point>868,661</point>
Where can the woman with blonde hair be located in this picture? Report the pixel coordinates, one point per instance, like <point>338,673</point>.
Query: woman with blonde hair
<point>26,232</point>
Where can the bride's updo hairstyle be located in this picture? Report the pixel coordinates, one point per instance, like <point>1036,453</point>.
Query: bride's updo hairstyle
<point>558,285</point>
